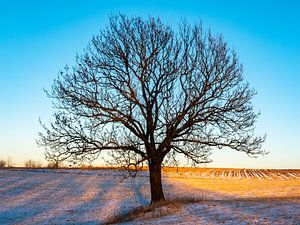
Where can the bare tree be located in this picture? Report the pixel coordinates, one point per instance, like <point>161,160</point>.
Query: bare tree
<point>32,164</point>
<point>144,92</point>
<point>2,163</point>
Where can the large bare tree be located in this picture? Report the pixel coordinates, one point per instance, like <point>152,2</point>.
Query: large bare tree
<point>145,92</point>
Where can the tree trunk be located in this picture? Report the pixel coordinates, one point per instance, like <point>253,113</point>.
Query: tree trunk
<point>157,193</point>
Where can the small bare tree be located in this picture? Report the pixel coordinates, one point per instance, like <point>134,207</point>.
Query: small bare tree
<point>2,163</point>
<point>147,93</point>
<point>53,159</point>
<point>9,162</point>
<point>32,164</point>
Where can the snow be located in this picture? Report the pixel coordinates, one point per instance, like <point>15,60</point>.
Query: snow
<point>68,196</point>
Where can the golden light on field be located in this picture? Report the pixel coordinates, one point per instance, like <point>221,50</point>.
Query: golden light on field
<point>239,183</point>
<point>246,188</point>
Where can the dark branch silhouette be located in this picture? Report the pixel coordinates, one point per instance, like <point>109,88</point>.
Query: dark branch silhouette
<point>145,93</point>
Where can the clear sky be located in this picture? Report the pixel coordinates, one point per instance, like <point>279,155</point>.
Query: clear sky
<point>38,38</point>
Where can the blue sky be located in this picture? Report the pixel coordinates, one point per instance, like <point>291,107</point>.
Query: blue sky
<point>38,38</point>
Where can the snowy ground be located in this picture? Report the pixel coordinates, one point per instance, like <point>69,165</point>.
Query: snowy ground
<point>46,196</point>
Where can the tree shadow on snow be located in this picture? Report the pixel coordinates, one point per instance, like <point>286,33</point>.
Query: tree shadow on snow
<point>90,199</point>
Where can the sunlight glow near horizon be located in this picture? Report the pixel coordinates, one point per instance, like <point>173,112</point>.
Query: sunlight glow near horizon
<point>37,39</point>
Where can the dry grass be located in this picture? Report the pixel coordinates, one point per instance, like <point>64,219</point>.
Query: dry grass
<point>158,210</point>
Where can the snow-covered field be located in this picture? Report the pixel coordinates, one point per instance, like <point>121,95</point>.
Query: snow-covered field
<point>204,196</point>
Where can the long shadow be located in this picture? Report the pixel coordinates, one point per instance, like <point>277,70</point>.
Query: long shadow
<point>7,179</point>
<point>24,205</point>
<point>106,203</point>
<point>140,189</point>
<point>81,212</point>
<point>21,191</point>
<point>16,185</point>
<point>130,195</point>
<point>95,198</point>
<point>79,203</point>
<point>35,209</point>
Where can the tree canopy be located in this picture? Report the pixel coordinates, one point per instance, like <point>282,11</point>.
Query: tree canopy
<point>145,92</point>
